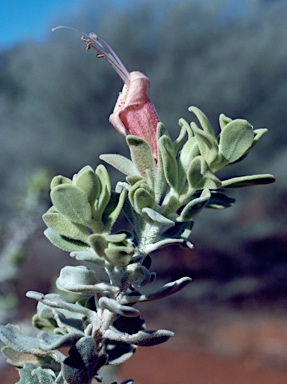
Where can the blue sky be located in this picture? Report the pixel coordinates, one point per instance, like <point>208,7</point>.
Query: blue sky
<point>28,19</point>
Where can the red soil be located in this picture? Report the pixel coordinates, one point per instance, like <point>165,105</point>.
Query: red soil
<point>159,365</point>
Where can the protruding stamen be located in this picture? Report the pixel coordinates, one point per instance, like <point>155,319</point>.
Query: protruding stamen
<point>103,48</point>
<point>104,51</point>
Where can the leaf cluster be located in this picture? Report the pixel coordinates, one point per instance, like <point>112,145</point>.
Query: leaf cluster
<point>167,194</point>
<point>160,199</point>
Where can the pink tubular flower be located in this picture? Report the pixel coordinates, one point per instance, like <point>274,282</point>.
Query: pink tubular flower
<point>133,113</point>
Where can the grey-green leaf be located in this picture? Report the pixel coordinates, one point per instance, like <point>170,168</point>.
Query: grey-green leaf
<point>141,338</point>
<point>72,202</point>
<point>82,363</point>
<point>207,143</point>
<point>30,375</point>
<point>119,255</point>
<point>65,243</point>
<point>115,307</point>
<point>105,190</point>
<point>121,163</point>
<point>205,123</point>
<point>167,290</point>
<point>113,208</point>
<point>159,219</point>
<point>141,155</point>
<point>65,227</point>
<point>89,256</point>
<point>236,139</point>
<point>224,120</point>
<point>168,159</point>
<point>247,181</point>
<point>88,181</point>
<point>19,359</point>
<point>78,279</point>
<point>194,206</point>
<point>49,341</point>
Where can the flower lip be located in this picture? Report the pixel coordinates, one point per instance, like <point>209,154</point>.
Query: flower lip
<point>104,51</point>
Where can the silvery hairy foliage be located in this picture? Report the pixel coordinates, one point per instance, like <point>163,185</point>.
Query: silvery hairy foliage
<point>167,183</point>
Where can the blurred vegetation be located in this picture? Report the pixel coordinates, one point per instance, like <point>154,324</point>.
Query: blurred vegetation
<point>55,100</point>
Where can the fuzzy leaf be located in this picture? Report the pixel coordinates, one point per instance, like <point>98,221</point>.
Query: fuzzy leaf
<point>89,256</point>
<point>59,223</point>
<point>132,180</point>
<point>72,202</point>
<point>119,352</point>
<point>88,182</point>
<point>121,163</point>
<point>98,243</point>
<point>168,158</point>
<point>205,123</point>
<point>207,144</point>
<point>12,336</point>
<point>161,130</point>
<point>58,180</point>
<point>259,132</point>
<point>105,190</point>
<point>19,359</point>
<point>113,208</point>
<point>57,301</point>
<point>30,375</point>
<point>78,279</point>
<point>179,140</point>
<point>223,121</point>
<point>141,338</point>
<point>166,242</point>
<point>61,320</point>
<point>26,348</point>
<point>65,243</point>
<point>142,198</point>
<point>247,181</point>
<point>138,275</point>
<point>189,151</point>
<point>116,237</point>
<point>82,363</point>
<point>167,290</point>
<point>43,376</point>
<point>156,217</point>
<point>199,175</point>
<point>47,325</point>
<point>141,155</point>
<point>160,182</point>
<point>115,307</point>
<point>53,341</point>
<point>236,139</point>
<point>151,338</point>
<point>119,255</point>
<point>194,206</point>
